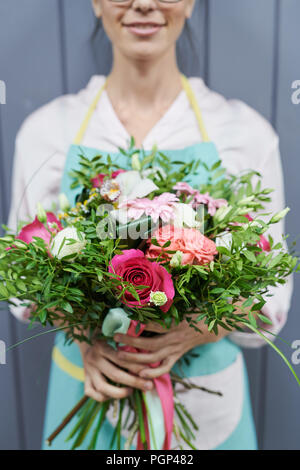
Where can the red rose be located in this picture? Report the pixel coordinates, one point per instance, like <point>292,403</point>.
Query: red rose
<point>133,267</point>
<point>38,229</point>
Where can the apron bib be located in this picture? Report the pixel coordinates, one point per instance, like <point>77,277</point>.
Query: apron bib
<point>224,422</point>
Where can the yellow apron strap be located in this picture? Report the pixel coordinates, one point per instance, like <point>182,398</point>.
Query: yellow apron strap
<point>67,366</point>
<point>84,125</point>
<point>191,96</point>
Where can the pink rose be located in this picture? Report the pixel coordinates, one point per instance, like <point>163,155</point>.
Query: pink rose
<point>133,267</point>
<point>195,247</point>
<point>98,180</point>
<point>37,229</point>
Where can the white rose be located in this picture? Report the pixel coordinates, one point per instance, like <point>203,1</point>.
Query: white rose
<point>61,246</point>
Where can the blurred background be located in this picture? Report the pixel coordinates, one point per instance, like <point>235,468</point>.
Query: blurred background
<point>245,49</point>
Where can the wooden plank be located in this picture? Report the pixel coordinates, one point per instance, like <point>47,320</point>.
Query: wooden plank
<point>241,50</point>
<point>282,411</point>
<point>192,44</point>
<point>10,434</point>
<point>240,65</point>
<point>83,57</point>
<point>31,68</point>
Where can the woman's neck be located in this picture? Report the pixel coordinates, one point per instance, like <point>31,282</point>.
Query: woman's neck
<point>144,84</point>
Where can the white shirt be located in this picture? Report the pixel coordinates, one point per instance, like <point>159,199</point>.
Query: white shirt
<point>244,140</point>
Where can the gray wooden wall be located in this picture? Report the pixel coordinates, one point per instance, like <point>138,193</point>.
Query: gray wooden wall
<point>247,49</point>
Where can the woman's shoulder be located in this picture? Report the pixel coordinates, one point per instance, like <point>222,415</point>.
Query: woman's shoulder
<point>233,122</point>
<point>57,121</point>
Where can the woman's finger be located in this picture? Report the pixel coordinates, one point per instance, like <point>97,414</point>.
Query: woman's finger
<point>131,365</point>
<point>148,358</point>
<point>164,368</point>
<point>101,385</point>
<point>122,377</point>
<point>150,344</point>
<point>91,392</point>
<point>156,328</point>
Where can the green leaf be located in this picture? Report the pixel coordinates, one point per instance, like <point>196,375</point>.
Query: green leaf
<point>252,319</point>
<point>239,265</point>
<point>234,290</point>
<point>4,291</point>
<point>223,250</point>
<point>43,315</point>
<point>67,306</point>
<point>256,307</point>
<point>11,288</point>
<point>168,243</point>
<point>264,319</point>
<point>248,302</point>
<point>217,290</point>
<point>211,325</point>
<point>275,260</point>
<point>21,285</point>
<point>249,255</point>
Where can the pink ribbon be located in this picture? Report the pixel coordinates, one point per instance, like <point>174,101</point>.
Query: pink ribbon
<point>164,390</point>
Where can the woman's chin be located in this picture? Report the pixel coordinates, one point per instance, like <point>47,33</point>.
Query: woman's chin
<point>143,51</point>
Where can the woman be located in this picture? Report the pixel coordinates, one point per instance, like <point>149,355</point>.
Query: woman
<point>147,97</point>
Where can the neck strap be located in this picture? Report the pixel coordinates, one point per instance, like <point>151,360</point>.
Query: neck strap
<point>189,92</point>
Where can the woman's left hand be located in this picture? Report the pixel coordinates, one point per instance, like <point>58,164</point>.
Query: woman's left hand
<point>167,347</point>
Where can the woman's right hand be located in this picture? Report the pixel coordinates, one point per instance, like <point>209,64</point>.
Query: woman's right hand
<point>100,362</point>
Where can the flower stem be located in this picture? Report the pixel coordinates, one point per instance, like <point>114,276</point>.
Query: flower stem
<point>277,350</point>
<point>66,420</point>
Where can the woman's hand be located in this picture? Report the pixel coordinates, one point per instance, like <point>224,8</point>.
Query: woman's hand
<point>100,362</point>
<point>167,347</point>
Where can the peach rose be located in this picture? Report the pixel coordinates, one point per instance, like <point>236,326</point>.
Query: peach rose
<point>195,247</point>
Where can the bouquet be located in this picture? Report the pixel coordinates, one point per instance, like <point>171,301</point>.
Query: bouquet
<point>144,245</point>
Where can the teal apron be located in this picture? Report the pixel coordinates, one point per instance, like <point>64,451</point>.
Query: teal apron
<point>66,383</point>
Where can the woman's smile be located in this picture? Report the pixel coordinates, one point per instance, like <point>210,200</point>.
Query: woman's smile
<point>144,28</point>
